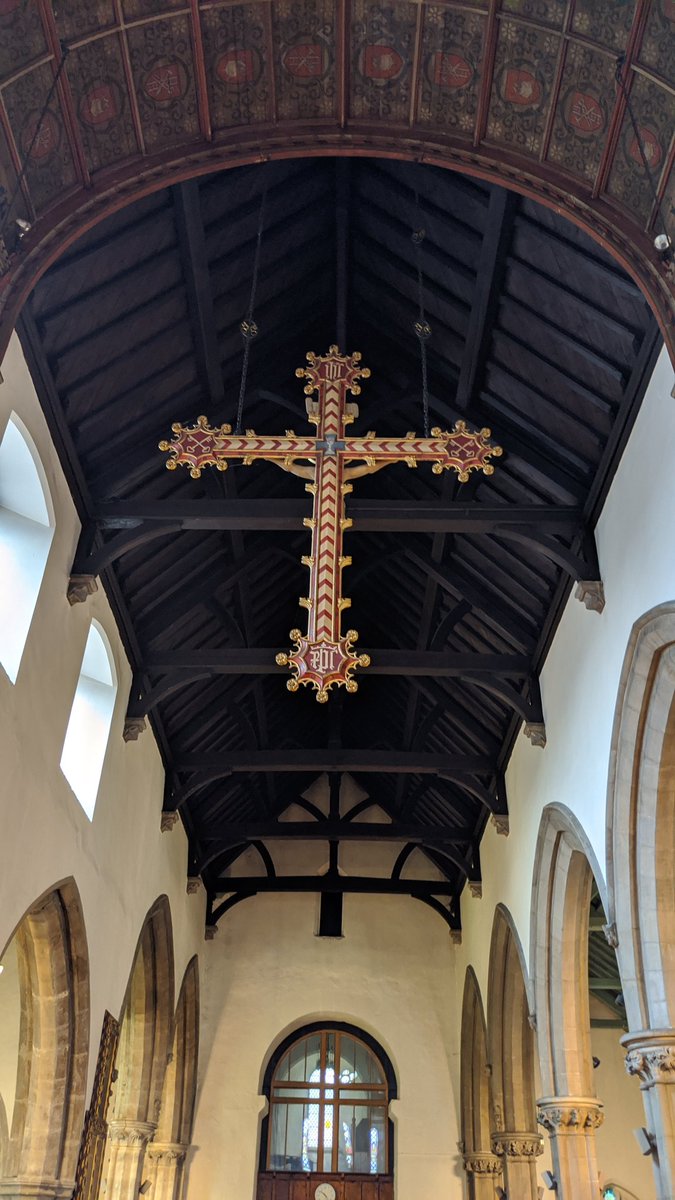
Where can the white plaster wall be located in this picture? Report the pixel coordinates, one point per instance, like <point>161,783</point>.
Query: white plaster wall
<point>120,861</point>
<point>579,682</point>
<point>266,974</point>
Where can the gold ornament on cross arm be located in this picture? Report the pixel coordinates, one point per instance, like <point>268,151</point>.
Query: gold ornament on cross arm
<point>323,657</point>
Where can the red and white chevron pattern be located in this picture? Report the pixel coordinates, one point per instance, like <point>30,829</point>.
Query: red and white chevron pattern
<point>324,613</point>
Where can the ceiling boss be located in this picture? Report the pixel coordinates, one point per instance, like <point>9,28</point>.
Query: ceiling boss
<point>323,657</point>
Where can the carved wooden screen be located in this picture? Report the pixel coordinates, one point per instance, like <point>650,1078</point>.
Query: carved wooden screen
<point>92,1148</point>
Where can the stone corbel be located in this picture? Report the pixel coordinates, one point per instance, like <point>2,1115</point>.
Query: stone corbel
<point>80,587</point>
<point>592,594</point>
<point>501,823</point>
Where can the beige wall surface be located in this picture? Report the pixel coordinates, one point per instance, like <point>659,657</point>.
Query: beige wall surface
<point>120,861</point>
<point>619,1157</point>
<point>266,974</point>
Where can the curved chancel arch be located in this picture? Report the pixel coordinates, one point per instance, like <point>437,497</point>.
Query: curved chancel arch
<point>26,532</point>
<point>90,720</point>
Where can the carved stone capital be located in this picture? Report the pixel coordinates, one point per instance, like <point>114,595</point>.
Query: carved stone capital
<point>210,933</point>
<point>80,587</point>
<point>131,1133</point>
<point>456,937</point>
<point>168,821</point>
<point>591,593</point>
<point>508,1144</point>
<point>165,1153</point>
<point>133,728</point>
<point>536,732</point>
<point>476,888</point>
<point>193,885</point>
<point>569,1114</point>
<point>501,823</point>
<point>481,1162</point>
<point>651,1056</point>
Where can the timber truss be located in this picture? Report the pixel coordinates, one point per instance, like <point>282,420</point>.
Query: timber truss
<point>536,334</point>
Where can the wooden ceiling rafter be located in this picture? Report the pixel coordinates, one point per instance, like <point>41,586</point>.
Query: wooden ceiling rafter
<point>203,673</point>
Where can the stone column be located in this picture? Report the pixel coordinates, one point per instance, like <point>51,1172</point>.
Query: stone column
<point>164,1168</point>
<point>123,1170</point>
<point>651,1056</point>
<point>519,1153</point>
<point>571,1122</point>
<point>483,1170</point>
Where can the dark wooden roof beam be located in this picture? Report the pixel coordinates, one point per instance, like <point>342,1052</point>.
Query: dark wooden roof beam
<point>490,278</point>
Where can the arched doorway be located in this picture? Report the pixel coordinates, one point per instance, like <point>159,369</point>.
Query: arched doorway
<point>329,1088</point>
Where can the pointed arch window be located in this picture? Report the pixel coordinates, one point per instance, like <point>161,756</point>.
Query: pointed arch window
<point>90,720</point>
<point>26,532</point>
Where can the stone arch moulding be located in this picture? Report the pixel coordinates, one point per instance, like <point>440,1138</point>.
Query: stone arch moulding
<point>640,821</point>
<point>146,1021</point>
<point>166,1153</point>
<point>511,1052</point>
<point>46,1123</point>
<point>564,870</point>
<point>62,225</point>
<point>482,1166</point>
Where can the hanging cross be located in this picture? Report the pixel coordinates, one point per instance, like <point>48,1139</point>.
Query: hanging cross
<point>323,657</point>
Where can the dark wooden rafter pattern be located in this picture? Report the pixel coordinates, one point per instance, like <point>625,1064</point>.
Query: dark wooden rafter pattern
<point>455,591</point>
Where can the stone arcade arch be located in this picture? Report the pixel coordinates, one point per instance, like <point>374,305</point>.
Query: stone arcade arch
<point>166,1153</point>
<point>641,878</point>
<point>145,1041</point>
<point>570,1111</point>
<point>43,1131</point>
<point>511,1051</point>
<point>482,1166</point>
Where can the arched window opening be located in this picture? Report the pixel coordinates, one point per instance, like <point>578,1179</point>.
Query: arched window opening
<point>26,532</point>
<point>329,1099</point>
<point>90,720</point>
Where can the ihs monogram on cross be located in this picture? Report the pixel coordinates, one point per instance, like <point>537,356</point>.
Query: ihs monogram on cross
<point>323,657</point>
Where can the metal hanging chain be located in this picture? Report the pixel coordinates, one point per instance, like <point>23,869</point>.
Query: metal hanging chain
<point>421,326</point>
<point>248,327</point>
<point>38,125</point>
<point>619,75</point>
